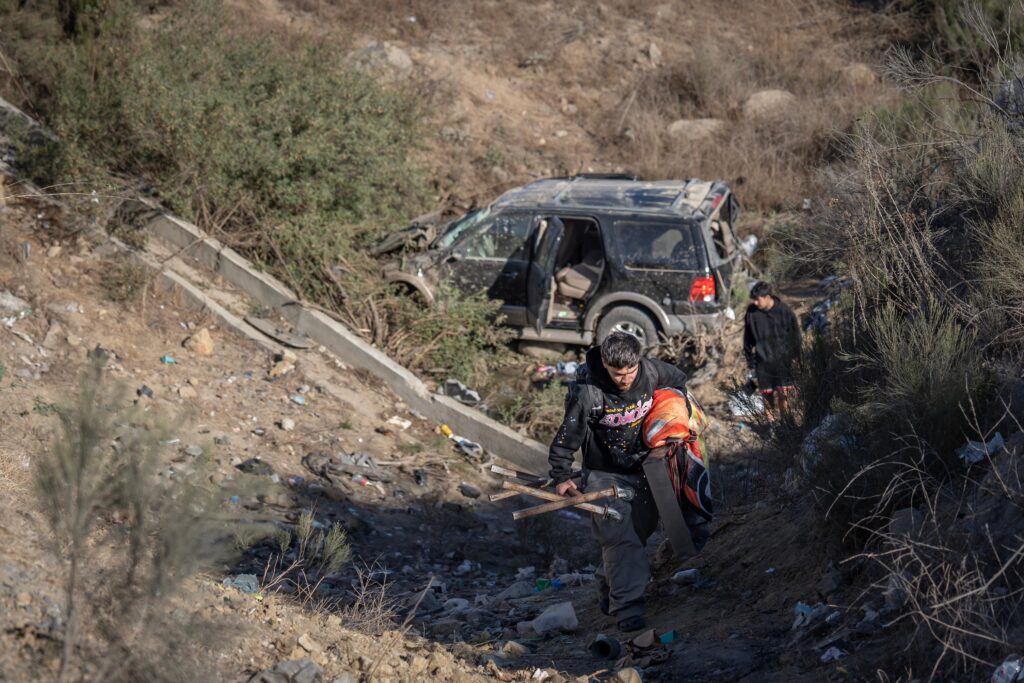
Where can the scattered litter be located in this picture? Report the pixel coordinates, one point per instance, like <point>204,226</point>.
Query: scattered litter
<point>247,583</point>
<point>974,452</point>
<point>167,360</point>
<point>460,392</point>
<point>770,570</point>
<point>256,466</point>
<point>557,617</point>
<point>605,647</point>
<point>468,490</point>
<point>298,399</point>
<point>1012,669</point>
<point>805,614</point>
<point>466,567</point>
<point>470,448</point>
<point>525,573</point>
<point>832,654</point>
<point>296,481</point>
<point>13,308</point>
<point>544,584</point>
<point>343,466</point>
<point>748,245</point>
<point>744,405</point>
<point>144,391</point>
<point>540,675</point>
<point>360,480</point>
<point>686,576</point>
<point>399,422</point>
<point>420,476</point>
<point>667,637</point>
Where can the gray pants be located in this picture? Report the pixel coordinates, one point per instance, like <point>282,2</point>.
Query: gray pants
<point>624,572</point>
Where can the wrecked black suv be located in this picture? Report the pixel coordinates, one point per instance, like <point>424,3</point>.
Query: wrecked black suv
<point>573,259</point>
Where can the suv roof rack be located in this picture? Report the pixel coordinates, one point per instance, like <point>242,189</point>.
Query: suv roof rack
<point>596,176</point>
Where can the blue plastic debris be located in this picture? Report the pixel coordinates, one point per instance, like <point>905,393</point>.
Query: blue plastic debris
<point>247,583</point>
<point>167,360</point>
<point>299,399</point>
<point>668,637</point>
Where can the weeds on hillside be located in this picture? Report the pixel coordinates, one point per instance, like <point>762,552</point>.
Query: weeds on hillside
<point>126,537</point>
<point>949,562</point>
<point>302,558</point>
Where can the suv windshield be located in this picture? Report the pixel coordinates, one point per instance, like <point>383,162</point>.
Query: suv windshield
<point>458,228</point>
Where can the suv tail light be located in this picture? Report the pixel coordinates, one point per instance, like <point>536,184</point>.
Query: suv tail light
<point>703,289</point>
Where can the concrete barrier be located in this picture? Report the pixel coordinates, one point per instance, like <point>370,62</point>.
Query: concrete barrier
<point>349,347</point>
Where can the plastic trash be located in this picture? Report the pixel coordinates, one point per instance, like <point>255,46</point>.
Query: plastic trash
<point>667,637</point>
<point>686,576</point>
<point>975,451</point>
<point>743,405</point>
<point>748,245</point>
<point>167,360</point>
<point>298,399</point>
<point>247,583</point>
<point>1012,669</point>
<point>558,617</point>
<point>605,647</point>
<point>460,392</point>
<point>805,614</point>
<point>360,480</point>
<point>544,584</point>
<point>399,422</point>
<point>832,654</point>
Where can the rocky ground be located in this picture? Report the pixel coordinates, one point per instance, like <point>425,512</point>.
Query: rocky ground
<point>443,585</point>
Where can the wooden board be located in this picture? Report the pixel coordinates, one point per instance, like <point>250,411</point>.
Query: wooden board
<point>665,499</point>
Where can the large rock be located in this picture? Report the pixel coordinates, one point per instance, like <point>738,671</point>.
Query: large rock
<point>382,57</point>
<point>201,343</point>
<point>769,104</point>
<point>857,76</point>
<point>695,130</point>
<point>293,671</point>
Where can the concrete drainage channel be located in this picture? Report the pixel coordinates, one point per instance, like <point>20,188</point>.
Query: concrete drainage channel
<point>267,291</point>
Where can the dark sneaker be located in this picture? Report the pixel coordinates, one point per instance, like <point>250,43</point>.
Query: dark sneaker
<point>634,623</point>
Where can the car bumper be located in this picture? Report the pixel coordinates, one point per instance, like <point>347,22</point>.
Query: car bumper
<point>696,323</point>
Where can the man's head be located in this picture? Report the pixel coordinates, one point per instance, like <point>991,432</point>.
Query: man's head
<point>762,295</point>
<point>620,355</point>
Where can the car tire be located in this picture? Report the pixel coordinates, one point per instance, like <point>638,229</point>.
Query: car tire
<point>629,319</point>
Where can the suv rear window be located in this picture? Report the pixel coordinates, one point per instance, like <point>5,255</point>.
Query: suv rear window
<point>646,245</point>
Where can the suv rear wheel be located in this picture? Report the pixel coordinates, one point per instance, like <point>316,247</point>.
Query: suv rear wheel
<point>628,319</point>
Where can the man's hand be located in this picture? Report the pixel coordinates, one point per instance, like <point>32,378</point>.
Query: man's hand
<point>566,487</point>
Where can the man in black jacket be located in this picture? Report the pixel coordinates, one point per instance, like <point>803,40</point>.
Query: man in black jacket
<point>771,342</point>
<point>604,415</point>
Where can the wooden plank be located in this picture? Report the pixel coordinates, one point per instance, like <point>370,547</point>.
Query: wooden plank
<point>665,499</point>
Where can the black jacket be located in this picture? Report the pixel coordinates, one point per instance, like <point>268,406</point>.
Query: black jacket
<point>771,336</point>
<point>605,422</point>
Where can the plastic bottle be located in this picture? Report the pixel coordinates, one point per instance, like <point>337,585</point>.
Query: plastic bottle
<point>1012,669</point>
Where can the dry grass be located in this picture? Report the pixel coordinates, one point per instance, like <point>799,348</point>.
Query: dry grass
<point>951,575</point>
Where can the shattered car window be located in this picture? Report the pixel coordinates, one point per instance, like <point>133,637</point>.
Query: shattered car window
<point>459,227</point>
<point>655,246</point>
<point>503,237</point>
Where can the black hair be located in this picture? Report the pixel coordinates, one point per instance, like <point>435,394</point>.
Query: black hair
<point>621,350</point>
<point>761,289</point>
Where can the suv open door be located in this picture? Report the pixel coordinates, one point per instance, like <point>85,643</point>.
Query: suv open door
<point>542,271</point>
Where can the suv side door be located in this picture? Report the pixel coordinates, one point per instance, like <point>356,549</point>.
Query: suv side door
<point>494,258</point>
